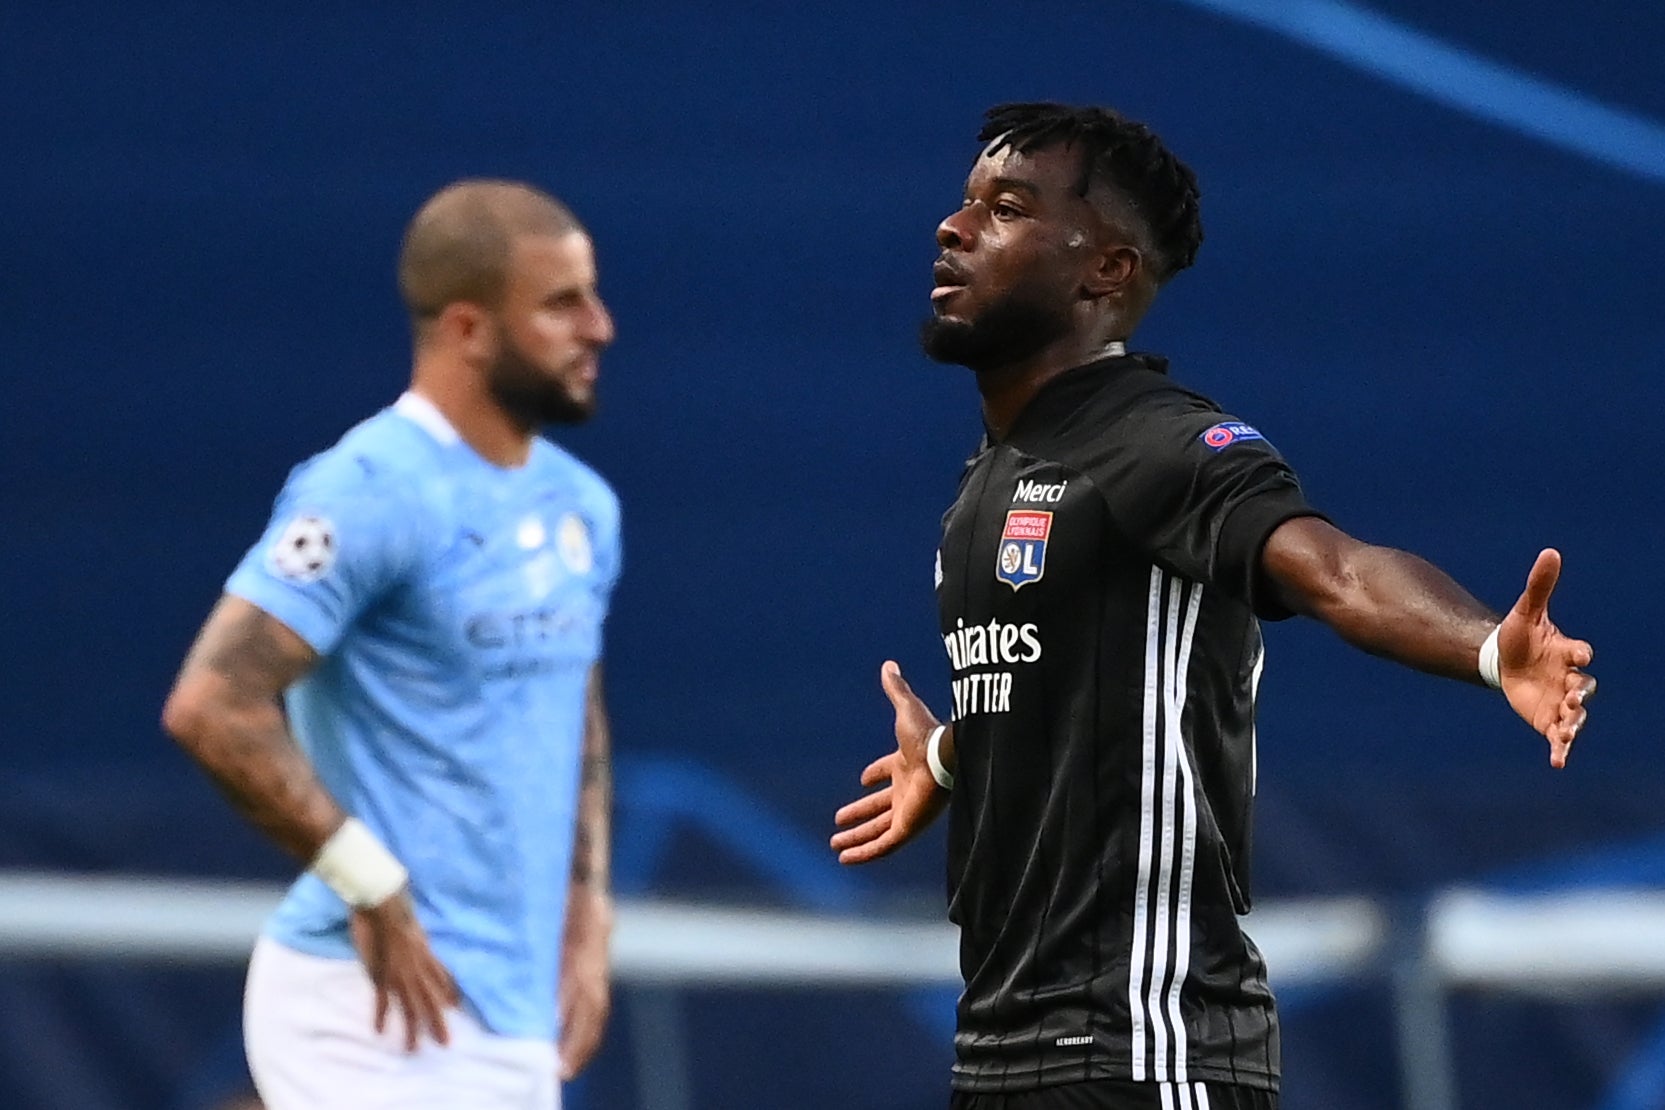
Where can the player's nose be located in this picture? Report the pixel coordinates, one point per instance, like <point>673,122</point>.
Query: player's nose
<point>599,328</point>
<point>955,231</point>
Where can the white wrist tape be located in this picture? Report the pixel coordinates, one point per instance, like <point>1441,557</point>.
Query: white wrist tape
<point>933,758</point>
<point>1489,671</point>
<point>357,866</point>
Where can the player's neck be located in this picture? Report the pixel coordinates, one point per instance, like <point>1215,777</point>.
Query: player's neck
<point>1007,390</point>
<point>478,420</point>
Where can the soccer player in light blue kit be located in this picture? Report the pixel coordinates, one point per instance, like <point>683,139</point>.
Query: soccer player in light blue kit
<point>428,602</point>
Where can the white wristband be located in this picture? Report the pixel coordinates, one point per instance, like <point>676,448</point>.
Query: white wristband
<point>1489,671</point>
<point>357,866</point>
<point>933,758</point>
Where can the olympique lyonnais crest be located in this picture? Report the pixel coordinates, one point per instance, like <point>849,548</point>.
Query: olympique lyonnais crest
<point>1022,556</point>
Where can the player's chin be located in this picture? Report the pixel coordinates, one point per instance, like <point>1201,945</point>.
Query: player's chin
<point>956,317</point>
<point>947,338</point>
<point>575,404</point>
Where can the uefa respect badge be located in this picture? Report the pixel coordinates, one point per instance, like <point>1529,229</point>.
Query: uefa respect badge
<point>1221,436</point>
<point>1022,556</point>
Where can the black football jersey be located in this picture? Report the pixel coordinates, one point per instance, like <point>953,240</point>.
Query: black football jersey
<point>1099,589</point>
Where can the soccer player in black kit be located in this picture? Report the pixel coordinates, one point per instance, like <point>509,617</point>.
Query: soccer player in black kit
<point>1115,541</point>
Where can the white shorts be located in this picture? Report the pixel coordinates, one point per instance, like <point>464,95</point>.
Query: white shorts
<point>308,1030</point>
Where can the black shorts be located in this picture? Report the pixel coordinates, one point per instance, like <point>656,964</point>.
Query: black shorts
<point>1118,1094</point>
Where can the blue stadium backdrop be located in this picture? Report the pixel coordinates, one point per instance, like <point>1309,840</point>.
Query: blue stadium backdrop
<point>1432,276</point>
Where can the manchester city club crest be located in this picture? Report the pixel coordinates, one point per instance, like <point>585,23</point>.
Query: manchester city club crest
<point>572,539</point>
<point>1022,555</point>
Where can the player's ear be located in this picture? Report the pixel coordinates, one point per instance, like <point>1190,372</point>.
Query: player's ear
<point>1115,267</point>
<point>468,329</point>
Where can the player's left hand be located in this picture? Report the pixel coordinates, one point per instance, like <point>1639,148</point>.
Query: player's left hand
<point>586,985</point>
<point>1540,665</point>
<point>876,824</point>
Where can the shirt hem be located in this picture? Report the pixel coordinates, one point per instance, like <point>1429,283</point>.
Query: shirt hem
<point>328,946</point>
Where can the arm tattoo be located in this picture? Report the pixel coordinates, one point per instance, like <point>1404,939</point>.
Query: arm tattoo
<point>592,839</point>
<point>225,712</point>
<point>243,647</point>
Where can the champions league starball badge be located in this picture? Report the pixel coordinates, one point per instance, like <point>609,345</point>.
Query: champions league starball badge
<point>1022,554</point>
<point>305,550</point>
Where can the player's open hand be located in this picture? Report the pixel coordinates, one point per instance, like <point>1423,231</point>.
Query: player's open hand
<point>878,823</point>
<point>394,948</point>
<point>1540,666</point>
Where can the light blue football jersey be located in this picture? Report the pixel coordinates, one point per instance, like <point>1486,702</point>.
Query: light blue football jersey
<point>457,607</point>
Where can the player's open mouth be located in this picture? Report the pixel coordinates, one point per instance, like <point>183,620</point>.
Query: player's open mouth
<point>950,279</point>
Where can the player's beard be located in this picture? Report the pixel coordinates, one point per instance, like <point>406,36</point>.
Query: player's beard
<point>1006,332</point>
<point>529,393</point>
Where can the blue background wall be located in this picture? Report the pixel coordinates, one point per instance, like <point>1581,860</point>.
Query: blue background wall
<point>1451,328</point>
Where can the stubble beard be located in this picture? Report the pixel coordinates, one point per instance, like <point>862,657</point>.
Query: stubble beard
<point>1007,332</point>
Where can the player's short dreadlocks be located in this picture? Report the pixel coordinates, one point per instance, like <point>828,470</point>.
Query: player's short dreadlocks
<point>1121,153</point>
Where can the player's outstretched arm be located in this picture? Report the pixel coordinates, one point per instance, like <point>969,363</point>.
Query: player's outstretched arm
<point>586,976</point>
<point>878,823</point>
<point>1393,604</point>
<point>224,712</point>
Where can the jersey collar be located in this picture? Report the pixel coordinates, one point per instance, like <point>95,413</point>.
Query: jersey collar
<point>1065,392</point>
<point>426,415</point>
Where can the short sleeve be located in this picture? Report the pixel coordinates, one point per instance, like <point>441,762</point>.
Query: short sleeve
<point>335,544</point>
<point>609,547</point>
<point>1200,492</point>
